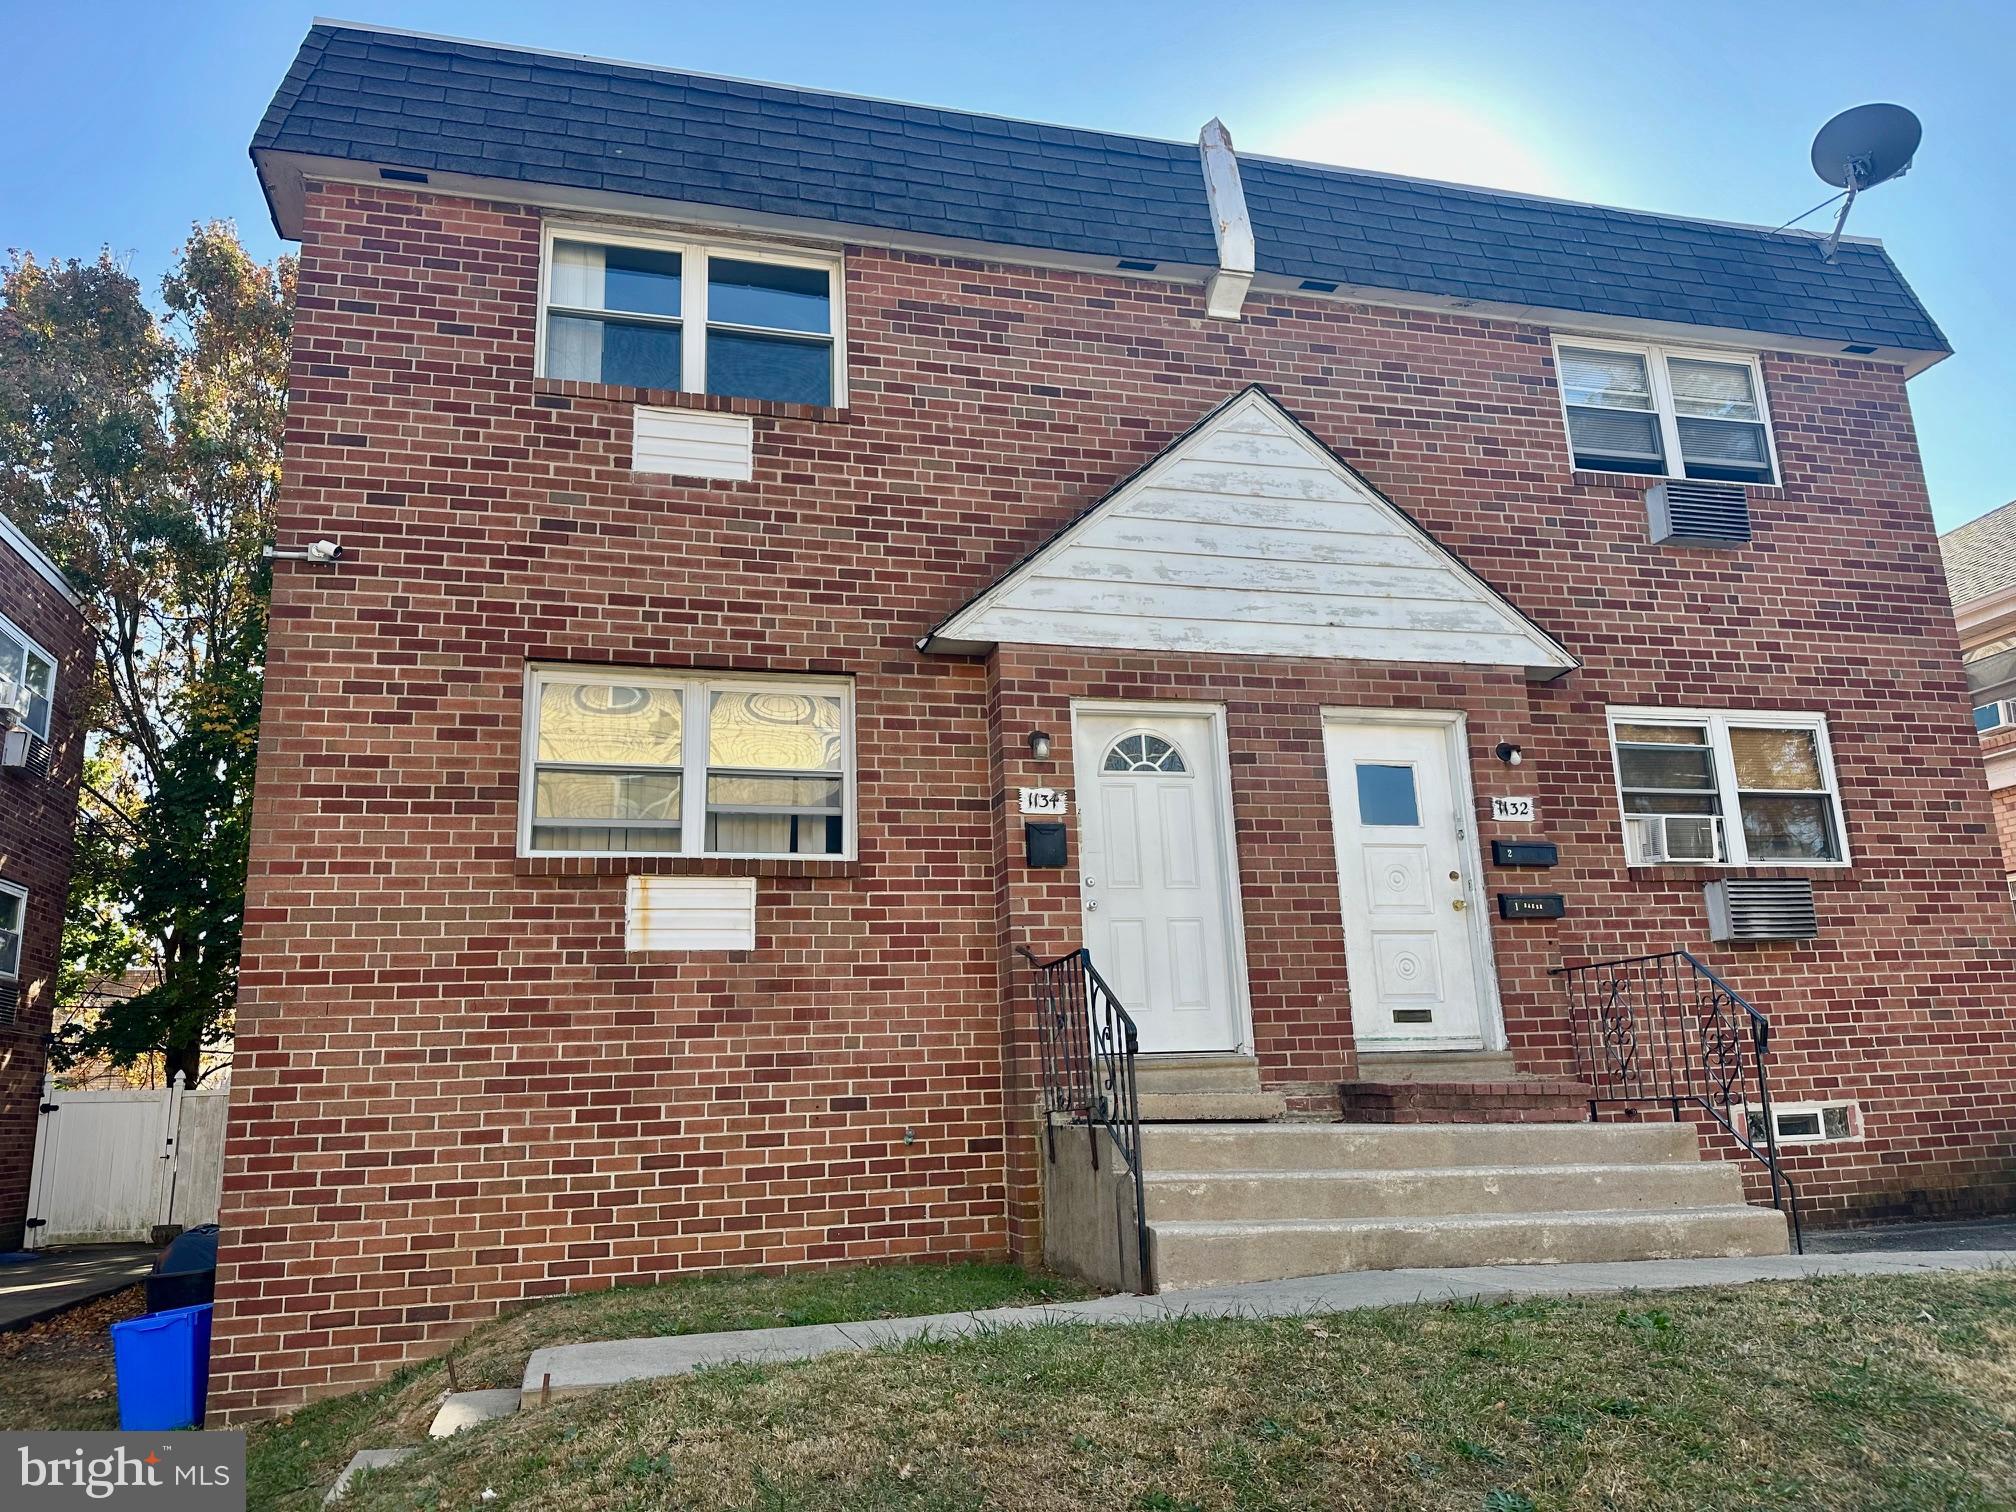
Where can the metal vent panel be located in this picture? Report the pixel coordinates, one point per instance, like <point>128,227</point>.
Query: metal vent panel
<point>10,1001</point>
<point>1698,514</point>
<point>1762,908</point>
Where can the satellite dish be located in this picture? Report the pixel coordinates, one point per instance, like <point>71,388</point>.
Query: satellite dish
<point>1860,149</point>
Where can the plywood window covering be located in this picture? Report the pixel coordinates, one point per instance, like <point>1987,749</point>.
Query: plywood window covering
<point>649,763</point>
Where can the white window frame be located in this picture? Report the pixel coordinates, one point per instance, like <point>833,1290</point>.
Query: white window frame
<point>695,686</point>
<point>11,631</point>
<point>2005,715</point>
<point>1656,357</point>
<point>1718,723</point>
<point>13,890</point>
<point>1782,1111</point>
<point>692,317</point>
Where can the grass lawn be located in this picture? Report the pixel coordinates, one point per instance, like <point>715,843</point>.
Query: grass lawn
<point>290,1463</point>
<point>58,1374</point>
<point>1894,1391</point>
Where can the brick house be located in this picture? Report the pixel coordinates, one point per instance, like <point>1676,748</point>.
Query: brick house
<point>45,670</point>
<point>800,552</point>
<point>1981,577</point>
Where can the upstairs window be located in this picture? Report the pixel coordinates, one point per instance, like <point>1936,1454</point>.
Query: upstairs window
<point>1994,716</point>
<point>1665,413</point>
<point>27,678</point>
<point>650,763</point>
<point>1726,789</point>
<point>683,315</point>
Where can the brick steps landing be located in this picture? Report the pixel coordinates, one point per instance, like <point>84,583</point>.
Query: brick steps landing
<point>1521,1099</point>
<point>1267,1201</point>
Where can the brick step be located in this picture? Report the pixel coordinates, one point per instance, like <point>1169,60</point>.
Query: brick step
<point>1199,1196</point>
<point>1519,1099</point>
<point>1340,1147</point>
<point>1221,1253</point>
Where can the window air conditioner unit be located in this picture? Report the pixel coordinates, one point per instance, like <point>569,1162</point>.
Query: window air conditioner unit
<point>1685,513</point>
<point>24,751</point>
<point>1674,837</point>
<point>1762,908</point>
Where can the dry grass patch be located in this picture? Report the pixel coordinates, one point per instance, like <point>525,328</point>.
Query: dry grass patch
<point>291,1462</point>
<point>1864,1392</point>
<point>58,1373</point>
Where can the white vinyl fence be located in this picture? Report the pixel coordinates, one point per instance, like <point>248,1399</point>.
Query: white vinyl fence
<point>110,1166</point>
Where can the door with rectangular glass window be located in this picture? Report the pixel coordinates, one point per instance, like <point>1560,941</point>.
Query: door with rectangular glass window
<point>1155,874</point>
<point>1403,861</point>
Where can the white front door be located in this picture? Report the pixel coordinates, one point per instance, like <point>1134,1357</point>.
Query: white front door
<point>1403,864</point>
<point>1155,873</point>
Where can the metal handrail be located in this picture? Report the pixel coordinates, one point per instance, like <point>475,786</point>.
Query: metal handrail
<point>1666,1028</point>
<point>1089,1048</point>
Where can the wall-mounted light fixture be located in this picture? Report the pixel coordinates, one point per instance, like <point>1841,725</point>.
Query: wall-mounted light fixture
<point>1039,744</point>
<point>1509,753</point>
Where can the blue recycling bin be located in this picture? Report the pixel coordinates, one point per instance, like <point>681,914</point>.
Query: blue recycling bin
<point>163,1362</point>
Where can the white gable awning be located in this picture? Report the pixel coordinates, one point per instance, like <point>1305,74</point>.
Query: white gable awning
<point>1248,536</point>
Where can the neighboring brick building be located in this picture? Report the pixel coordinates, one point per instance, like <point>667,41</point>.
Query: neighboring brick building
<point>45,670</point>
<point>1981,577</point>
<point>1056,483</point>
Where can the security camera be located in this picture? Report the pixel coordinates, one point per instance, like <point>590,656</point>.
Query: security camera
<point>324,551</point>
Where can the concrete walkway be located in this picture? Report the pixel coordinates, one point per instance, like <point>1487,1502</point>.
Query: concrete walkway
<point>37,1283</point>
<point>569,1369</point>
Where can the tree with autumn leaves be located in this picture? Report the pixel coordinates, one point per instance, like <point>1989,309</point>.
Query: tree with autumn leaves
<point>140,447</point>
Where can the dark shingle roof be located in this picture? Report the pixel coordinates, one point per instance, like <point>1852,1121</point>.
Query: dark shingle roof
<point>1981,555</point>
<point>463,107</point>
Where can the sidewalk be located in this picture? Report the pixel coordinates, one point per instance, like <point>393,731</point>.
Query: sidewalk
<point>36,1283</point>
<point>567,1369</point>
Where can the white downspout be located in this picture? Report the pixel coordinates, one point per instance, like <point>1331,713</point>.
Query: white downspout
<point>1225,295</point>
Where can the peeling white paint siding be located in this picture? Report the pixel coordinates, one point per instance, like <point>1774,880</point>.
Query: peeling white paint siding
<point>1249,538</point>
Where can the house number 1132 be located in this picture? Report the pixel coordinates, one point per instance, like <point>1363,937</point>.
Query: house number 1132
<point>1514,810</point>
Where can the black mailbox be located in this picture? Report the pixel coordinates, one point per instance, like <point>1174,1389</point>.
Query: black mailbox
<point>1531,906</point>
<point>1525,853</point>
<point>1045,843</point>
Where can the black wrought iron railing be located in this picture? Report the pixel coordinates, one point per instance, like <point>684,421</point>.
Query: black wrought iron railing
<point>1088,1048</point>
<point>1666,1029</point>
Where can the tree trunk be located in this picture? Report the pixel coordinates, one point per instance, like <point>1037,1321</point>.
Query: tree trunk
<point>186,1058</point>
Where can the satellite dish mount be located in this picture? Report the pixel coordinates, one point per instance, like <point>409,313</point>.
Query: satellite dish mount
<point>1860,149</point>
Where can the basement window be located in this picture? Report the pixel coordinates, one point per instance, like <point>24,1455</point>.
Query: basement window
<point>1710,788</point>
<point>1807,1123</point>
<point>27,678</point>
<point>1665,412</point>
<point>748,323</point>
<point>646,763</point>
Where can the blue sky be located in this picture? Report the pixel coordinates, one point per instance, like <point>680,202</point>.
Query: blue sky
<point>133,118</point>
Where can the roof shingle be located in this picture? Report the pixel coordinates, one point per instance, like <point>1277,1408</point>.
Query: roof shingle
<point>435,103</point>
<point>1981,556</point>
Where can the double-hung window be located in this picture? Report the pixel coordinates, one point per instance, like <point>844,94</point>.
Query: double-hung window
<point>1726,788</point>
<point>1665,412</point>
<point>647,763</point>
<point>742,322</point>
<point>27,678</point>
<point>13,919</point>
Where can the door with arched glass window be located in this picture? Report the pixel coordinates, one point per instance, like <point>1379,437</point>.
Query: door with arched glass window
<point>1155,874</point>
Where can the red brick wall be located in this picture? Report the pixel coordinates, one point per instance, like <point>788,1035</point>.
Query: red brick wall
<point>36,818</point>
<point>453,1087</point>
<point>2003,800</point>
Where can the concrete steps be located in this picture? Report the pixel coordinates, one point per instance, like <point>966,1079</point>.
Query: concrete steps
<point>1215,1254</point>
<point>1248,1195</point>
<point>1266,1201</point>
<point>1204,1089</point>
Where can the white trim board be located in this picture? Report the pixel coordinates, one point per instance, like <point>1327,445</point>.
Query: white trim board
<point>1247,536</point>
<point>38,560</point>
